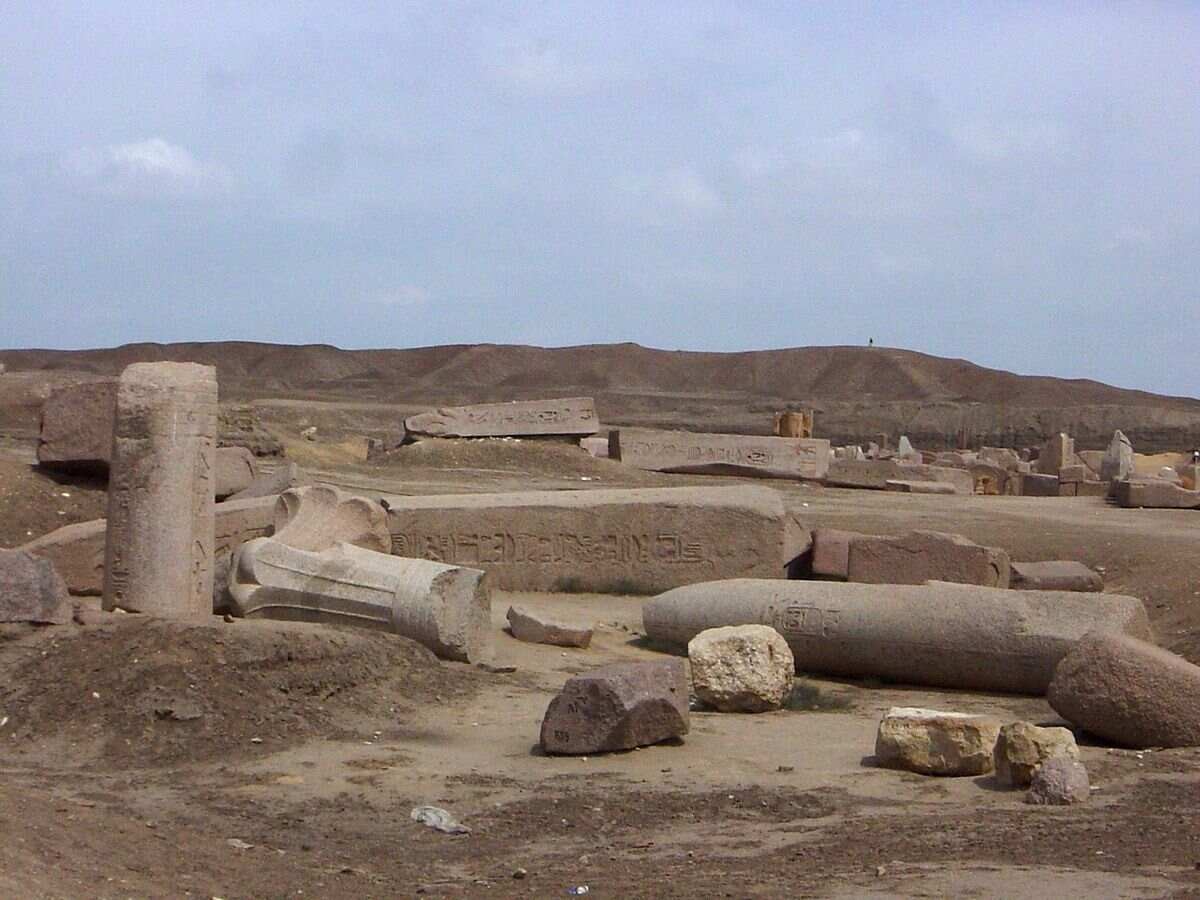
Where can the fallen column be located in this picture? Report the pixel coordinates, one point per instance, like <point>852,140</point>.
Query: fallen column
<point>569,416</point>
<point>159,547</point>
<point>638,541</point>
<point>445,608</point>
<point>938,634</point>
<point>720,454</point>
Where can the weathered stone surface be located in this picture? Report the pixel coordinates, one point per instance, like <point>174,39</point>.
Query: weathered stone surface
<point>1004,457</point>
<point>31,590</point>
<point>595,446</point>
<point>236,471</point>
<point>77,427</point>
<point>1118,459</point>
<point>1035,485</point>
<point>1055,575</point>
<point>1154,494</point>
<point>1056,453</point>
<point>873,474</point>
<point>445,608</point>
<point>921,556</point>
<point>920,487</point>
<point>320,516</point>
<point>1128,691</point>
<point>1059,782</point>
<point>534,628</point>
<point>944,635</point>
<point>159,547</point>
<point>733,454</point>
<point>741,668</point>
<point>567,416</point>
<point>794,423</point>
<point>637,541</point>
<point>286,476</point>
<point>618,707</point>
<point>932,742</point>
<point>831,552</point>
<point>1022,747</point>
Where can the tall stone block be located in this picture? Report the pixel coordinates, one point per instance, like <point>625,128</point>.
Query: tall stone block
<point>159,547</point>
<point>1057,453</point>
<point>1117,464</point>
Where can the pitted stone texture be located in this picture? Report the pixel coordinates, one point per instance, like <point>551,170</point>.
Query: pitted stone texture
<point>1118,459</point>
<point>1129,692</point>
<point>1061,781</point>
<point>568,416</point>
<point>618,707</point>
<point>286,476</point>
<point>318,517</point>
<point>932,742</point>
<point>637,541</point>
<point>720,454</point>
<point>159,547</point>
<point>921,556</point>
<point>534,628</point>
<point>831,552</point>
<point>77,427</point>
<point>236,471</point>
<point>741,668</point>
<point>1055,575</point>
<point>445,608</point>
<point>31,590</point>
<point>1022,747</point>
<point>938,634</point>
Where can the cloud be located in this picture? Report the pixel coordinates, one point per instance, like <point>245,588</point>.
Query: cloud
<point>144,168</point>
<point>403,295</point>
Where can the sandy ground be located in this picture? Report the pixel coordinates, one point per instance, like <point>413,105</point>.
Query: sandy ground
<point>311,771</point>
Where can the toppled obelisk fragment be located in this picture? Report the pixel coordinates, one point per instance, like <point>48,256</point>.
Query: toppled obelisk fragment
<point>320,516</point>
<point>1128,691</point>
<point>741,668</point>
<point>1055,575</point>
<point>159,546</point>
<point>534,628</point>
<point>921,556</point>
<point>939,634</point>
<point>445,608</point>
<point>618,707</point>
<point>1022,747</point>
<point>568,416</point>
<point>720,454</point>
<point>933,742</point>
<point>1118,458</point>
<point>31,590</point>
<point>637,541</point>
<point>1060,781</point>
<point>236,471</point>
<point>77,427</point>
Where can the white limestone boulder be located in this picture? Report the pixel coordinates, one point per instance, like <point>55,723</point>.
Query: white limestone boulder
<point>741,668</point>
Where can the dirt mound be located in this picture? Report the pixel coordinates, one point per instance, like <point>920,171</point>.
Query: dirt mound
<point>147,692</point>
<point>34,502</point>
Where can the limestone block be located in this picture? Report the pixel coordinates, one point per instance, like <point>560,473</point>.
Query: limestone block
<point>77,427</point>
<point>1036,485</point>
<point>445,608</point>
<point>921,556</point>
<point>637,541</point>
<point>1154,494</point>
<point>1118,459</point>
<point>618,707</point>
<point>534,628</point>
<point>1022,747</point>
<point>31,590</point>
<point>567,416</point>
<point>1055,575</point>
<point>831,552</point>
<point>287,475</point>
<point>159,547</point>
<point>595,446</point>
<point>1128,691</point>
<point>938,634</point>
<point>741,668</point>
<point>932,742</point>
<point>919,487</point>
<point>236,471</point>
<point>1059,782</point>
<point>720,454</point>
<point>317,517</point>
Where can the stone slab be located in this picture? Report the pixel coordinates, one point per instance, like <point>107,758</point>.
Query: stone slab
<point>31,590</point>
<point>921,556</point>
<point>874,474</point>
<point>566,416</point>
<point>1055,575</point>
<point>77,427</point>
<point>535,628</point>
<point>720,454</point>
<point>919,487</point>
<point>937,634</point>
<point>636,541</point>
<point>1154,494</point>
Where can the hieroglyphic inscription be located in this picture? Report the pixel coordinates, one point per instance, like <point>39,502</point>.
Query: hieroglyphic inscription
<point>796,620</point>
<point>498,548</point>
<point>681,451</point>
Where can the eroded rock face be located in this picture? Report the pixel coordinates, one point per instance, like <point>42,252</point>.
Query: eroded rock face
<point>1059,782</point>
<point>535,628</point>
<point>31,590</point>
<point>933,742</point>
<point>1129,692</point>
<point>921,556</point>
<point>1022,747</point>
<point>618,707</point>
<point>741,668</point>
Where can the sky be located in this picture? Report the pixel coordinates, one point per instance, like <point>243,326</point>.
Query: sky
<point>1014,184</point>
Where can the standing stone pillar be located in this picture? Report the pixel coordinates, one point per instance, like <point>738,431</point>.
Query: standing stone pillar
<point>159,548</point>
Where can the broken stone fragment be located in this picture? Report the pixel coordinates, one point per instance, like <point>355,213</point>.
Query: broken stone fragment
<point>31,590</point>
<point>1022,747</point>
<point>1060,781</point>
<point>741,668</point>
<point>1129,692</point>
<point>1055,575</point>
<point>534,628</point>
<point>921,556</point>
<point>932,742</point>
<point>618,707</point>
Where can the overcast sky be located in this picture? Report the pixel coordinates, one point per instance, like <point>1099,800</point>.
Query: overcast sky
<point>1017,184</point>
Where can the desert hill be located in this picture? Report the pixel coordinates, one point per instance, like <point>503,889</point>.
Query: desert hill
<point>858,391</point>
